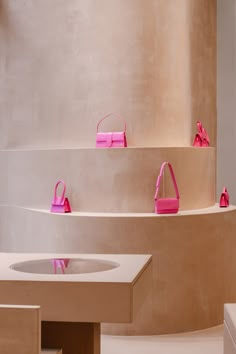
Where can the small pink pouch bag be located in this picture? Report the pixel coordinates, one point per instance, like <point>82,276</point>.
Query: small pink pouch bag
<point>166,205</point>
<point>60,204</point>
<point>201,138</point>
<point>111,139</point>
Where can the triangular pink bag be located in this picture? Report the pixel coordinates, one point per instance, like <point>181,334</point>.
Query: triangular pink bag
<point>60,204</point>
<point>201,138</point>
<point>166,205</point>
<point>224,198</point>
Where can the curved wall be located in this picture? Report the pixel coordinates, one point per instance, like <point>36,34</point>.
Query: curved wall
<point>65,64</point>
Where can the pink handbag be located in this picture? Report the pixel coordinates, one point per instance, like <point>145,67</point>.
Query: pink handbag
<point>201,138</point>
<point>224,198</point>
<point>60,204</point>
<point>166,205</point>
<point>60,263</point>
<point>111,139</point>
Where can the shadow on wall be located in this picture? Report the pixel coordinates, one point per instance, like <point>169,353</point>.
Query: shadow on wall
<point>202,43</point>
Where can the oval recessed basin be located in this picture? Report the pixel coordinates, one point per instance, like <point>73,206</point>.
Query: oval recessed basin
<point>64,266</point>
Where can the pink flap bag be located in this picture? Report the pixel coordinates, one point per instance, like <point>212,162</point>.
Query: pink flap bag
<point>60,204</point>
<point>201,138</point>
<point>111,139</point>
<point>166,205</point>
<point>224,198</point>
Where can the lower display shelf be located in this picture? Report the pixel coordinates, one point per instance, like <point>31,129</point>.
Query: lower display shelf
<point>194,257</point>
<point>210,210</point>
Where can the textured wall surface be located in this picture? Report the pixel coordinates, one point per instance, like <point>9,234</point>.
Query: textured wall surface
<point>65,64</point>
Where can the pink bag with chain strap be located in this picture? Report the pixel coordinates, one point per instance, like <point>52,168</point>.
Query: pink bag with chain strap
<point>111,139</point>
<point>60,204</point>
<point>166,205</point>
<point>201,138</point>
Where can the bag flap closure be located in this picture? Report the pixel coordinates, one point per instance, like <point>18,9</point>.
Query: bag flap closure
<point>109,137</point>
<point>168,203</point>
<point>58,201</point>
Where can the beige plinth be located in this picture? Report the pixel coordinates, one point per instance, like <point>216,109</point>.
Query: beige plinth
<point>73,305</point>
<point>71,297</point>
<point>20,329</point>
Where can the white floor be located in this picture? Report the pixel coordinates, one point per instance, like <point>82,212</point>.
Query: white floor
<point>203,342</point>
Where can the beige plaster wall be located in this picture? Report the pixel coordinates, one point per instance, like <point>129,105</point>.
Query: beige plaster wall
<point>226,132</point>
<point>65,64</point>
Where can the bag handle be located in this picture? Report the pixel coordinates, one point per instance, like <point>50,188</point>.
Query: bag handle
<point>112,114</point>
<point>58,263</point>
<point>160,177</point>
<point>202,132</point>
<point>199,127</point>
<point>205,135</point>
<point>63,192</point>
<point>225,192</point>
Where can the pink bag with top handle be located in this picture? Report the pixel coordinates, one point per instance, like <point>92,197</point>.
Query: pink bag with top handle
<point>60,204</point>
<point>201,138</point>
<point>60,263</point>
<point>111,139</point>
<point>224,198</point>
<point>166,205</point>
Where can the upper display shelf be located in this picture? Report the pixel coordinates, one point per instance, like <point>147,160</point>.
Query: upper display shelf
<point>107,138</point>
<point>85,148</point>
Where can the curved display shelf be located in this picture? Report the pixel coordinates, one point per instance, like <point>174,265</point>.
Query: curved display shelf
<point>203,211</point>
<point>194,259</point>
<point>107,180</point>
